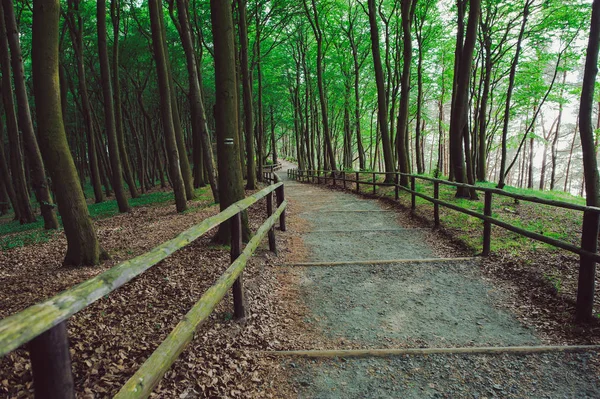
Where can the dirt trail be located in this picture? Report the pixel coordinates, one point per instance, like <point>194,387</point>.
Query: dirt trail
<point>409,304</point>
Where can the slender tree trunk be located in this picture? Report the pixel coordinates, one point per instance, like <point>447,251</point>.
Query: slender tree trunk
<point>273,140</point>
<point>158,43</point>
<point>381,96</point>
<point>14,141</point>
<point>109,109</point>
<point>32,150</point>
<point>6,179</point>
<point>247,96</point>
<point>83,247</point>
<point>75,23</point>
<point>115,13</point>
<point>567,187</point>
<point>458,120</point>
<point>418,138</point>
<point>587,269</point>
<point>554,150</point>
<point>402,130</point>
<point>511,85</point>
<point>322,98</point>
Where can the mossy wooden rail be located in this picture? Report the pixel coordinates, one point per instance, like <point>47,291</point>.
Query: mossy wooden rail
<point>43,324</point>
<point>149,374</point>
<point>591,217</point>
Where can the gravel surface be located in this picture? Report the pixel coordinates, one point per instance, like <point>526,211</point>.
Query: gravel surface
<point>423,304</point>
<point>556,375</point>
<point>411,305</point>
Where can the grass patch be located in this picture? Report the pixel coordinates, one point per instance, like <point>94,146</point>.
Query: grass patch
<point>561,224</point>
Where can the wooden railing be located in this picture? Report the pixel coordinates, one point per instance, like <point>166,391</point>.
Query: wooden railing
<point>269,174</point>
<point>591,216</point>
<point>43,325</point>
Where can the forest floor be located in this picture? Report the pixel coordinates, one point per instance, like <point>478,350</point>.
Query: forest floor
<point>111,338</point>
<point>496,301</point>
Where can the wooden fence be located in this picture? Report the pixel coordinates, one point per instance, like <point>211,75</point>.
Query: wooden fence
<point>591,217</point>
<point>43,326</point>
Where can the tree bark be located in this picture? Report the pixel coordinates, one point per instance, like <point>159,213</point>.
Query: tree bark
<point>166,107</point>
<point>314,21</point>
<point>382,109</point>
<point>32,150</point>
<point>587,269</point>
<point>115,14</point>
<point>17,167</point>
<point>458,119</point>
<point>247,96</point>
<point>199,124</point>
<point>75,23</point>
<point>231,187</point>
<point>109,109</point>
<point>509,91</point>
<point>83,247</point>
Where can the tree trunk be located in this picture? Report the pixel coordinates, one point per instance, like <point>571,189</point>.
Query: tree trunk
<point>231,186</point>
<point>32,150</point>
<point>19,180</point>
<point>83,247</point>
<point>247,96</point>
<point>382,109</point>
<point>199,125</point>
<point>402,130</point>
<point>115,14</point>
<point>75,23</point>
<point>109,109</point>
<point>458,120</point>
<point>509,91</point>
<point>322,98</point>
<point>166,107</point>
<point>6,179</point>
<point>554,149</point>
<point>587,269</point>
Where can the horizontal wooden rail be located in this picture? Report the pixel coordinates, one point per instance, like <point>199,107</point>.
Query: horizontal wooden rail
<point>522,197</point>
<point>141,384</point>
<point>24,326</point>
<point>485,350</point>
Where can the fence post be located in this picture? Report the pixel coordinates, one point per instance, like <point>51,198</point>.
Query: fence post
<point>344,178</point>
<point>436,207</point>
<point>487,226</point>
<point>413,203</point>
<point>333,174</point>
<point>357,183</point>
<point>587,267</point>
<point>374,189</point>
<point>271,234</point>
<point>239,302</point>
<point>396,189</point>
<point>280,198</point>
<point>51,364</point>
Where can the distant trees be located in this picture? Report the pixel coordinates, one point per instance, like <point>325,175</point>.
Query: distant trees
<point>305,89</point>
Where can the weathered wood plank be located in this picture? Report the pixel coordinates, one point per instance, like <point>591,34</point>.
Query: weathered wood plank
<point>149,374</point>
<point>381,262</point>
<point>345,353</point>
<point>22,327</point>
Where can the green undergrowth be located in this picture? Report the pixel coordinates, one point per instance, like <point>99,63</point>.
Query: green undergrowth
<point>14,235</point>
<point>561,224</point>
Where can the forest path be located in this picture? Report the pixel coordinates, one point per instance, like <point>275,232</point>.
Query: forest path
<point>419,301</point>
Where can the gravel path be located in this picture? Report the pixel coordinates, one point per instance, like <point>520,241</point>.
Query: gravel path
<point>413,304</point>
